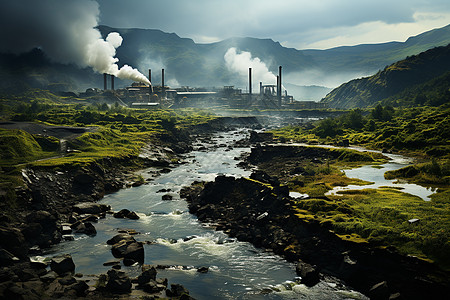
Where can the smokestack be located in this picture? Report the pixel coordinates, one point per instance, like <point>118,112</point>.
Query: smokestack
<point>162,84</point>
<point>112,82</point>
<point>260,88</point>
<point>150,75</point>
<point>249,81</point>
<point>105,83</point>
<point>279,86</point>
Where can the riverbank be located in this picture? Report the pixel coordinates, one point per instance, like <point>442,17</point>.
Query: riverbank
<point>318,230</point>
<point>44,206</point>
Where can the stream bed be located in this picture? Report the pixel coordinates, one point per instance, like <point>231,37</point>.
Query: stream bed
<point>237,270</point>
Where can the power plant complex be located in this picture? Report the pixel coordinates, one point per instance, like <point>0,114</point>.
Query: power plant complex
<point>270,96</point>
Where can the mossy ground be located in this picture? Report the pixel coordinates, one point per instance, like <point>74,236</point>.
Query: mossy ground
<point>381,216</point>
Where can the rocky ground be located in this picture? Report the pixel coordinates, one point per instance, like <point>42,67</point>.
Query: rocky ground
<point>258,210</point>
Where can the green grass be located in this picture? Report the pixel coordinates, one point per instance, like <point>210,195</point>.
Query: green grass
<point>381,218</point>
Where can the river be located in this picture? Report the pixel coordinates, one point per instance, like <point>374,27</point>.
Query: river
<point>237,270</point>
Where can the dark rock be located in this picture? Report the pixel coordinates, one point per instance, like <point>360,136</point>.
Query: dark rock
<point>264,177</point>
<point>176,290</point>
<point>86,228</point>
<point>147,275</point>
<point>90,208</point>
<point>167,197</point>
<point>13,240</point>
<point>125,213</point>
<point>152,287</point>
<point>129,249</point>
<point>310,276</point>
<point>84,178</point>
<point>203,270</point>
<point>7,258</point>
<point>62,264</point>
<point>379,291</point>
<point>49,277</point>
<point>120,237</point>
<point>80,288</point>
<point>118,282</point>
<point>128,262</point>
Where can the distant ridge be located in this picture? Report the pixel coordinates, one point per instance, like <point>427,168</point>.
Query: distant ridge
<point>425,73</point>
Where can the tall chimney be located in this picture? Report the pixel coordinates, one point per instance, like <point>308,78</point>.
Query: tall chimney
<point>105,83</point>
<point>280,85</point>
<point>163,92</point>
<point>112,82</point>
<point>150,87</point>
<point>261,88</point>
<point>249,81</point>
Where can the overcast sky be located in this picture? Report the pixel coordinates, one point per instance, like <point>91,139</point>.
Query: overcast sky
<point>301,24</point>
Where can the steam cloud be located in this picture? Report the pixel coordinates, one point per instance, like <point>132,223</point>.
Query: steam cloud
<point>66,31</point>
<point>240,62</point>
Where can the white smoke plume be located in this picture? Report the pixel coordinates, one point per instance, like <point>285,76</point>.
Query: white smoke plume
<point>240,62</point>
<point>66,31</point>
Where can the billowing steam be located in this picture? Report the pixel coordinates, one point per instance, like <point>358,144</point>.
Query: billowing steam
<point>240,62</point>
<point>66,31</point>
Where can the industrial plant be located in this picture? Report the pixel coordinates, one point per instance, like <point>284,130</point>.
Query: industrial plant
<point>269,96</point>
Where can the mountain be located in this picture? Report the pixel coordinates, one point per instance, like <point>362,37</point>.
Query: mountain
<point>425,75</point>
<point>187,63</point>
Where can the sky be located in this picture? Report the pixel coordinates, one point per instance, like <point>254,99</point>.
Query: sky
<point>300,24</point>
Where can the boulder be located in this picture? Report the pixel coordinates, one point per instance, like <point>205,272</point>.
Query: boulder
<point>128,249</point>
<point>118,282</point>
<point>90,208</point>
<point>125,213</point>
<point>80,288</point>
<point>62,264</point>
<point>309,274</point>
<point>147,275</point>
<point>120,237</point>
<point>86,228</point>
<point>167,197</point>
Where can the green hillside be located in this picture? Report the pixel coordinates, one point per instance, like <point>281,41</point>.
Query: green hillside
<point>399,84</point>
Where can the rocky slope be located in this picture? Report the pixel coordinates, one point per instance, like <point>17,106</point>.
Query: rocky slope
<point>394,79</point>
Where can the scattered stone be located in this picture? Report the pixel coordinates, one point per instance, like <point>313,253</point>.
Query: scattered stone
<point>49,277</point>
<point>62,264</point>
<point>148,274</point>
<point>118,282</point>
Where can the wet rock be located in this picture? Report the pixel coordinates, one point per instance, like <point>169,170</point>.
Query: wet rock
<point>86,228</point>
<point>120,237</point>
<point>264,177</point>
<point>125,213</point>
<point>118,282</point>
<point>62,264</point>
<point>90,208</point>
<point>128,248</point>
<point>203,270</point>
<point>167,197</point>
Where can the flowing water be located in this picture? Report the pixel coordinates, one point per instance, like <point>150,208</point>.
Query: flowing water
<point>237,270</point>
